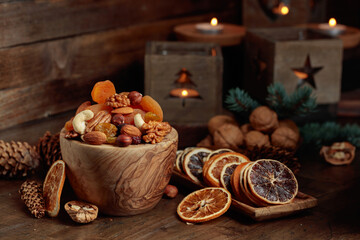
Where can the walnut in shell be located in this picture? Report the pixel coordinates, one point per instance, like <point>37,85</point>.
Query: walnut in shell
<point>256,138</point>
<point>290,124</point>
<point>219,120</point>
<point>228,136</point>
<point>264,119</point>
<point>285,137</point>
<point>245,128</point>
<point>81,212</point>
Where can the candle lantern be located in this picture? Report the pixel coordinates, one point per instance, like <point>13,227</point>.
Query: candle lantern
<point>184,87</point>
<point>196,94</point>
<point>295,57</point>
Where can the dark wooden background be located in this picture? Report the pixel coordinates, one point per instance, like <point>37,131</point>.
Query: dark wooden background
<point>52,52</point>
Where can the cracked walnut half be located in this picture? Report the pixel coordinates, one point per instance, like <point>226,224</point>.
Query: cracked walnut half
<point>155,131</point>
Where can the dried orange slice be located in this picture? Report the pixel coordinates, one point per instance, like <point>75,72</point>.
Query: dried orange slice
<point>272,182</point>
<point>226,173</point>
<point>211,157</point>
<point>204,205</point>
<point>180,159</point>
<point>235,183</point>
<point>245,190</point>
<point>212,174</point>
<point>178,156</point>
<point>53,185</point>
<point>193,163</point>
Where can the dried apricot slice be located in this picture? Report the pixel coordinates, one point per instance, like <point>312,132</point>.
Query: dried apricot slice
<point>99,107</point>
<point>102,90</point>
<point>52,187</point>
<point>204,205</point>
<point>150,105</point>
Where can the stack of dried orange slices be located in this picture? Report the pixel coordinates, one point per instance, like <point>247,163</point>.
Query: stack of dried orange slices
<point>258,183</point>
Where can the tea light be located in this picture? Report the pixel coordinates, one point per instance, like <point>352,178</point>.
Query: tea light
<point>184,93</point>
<point>282,9</point>
<point>332,28</point>
<point>210,28</point>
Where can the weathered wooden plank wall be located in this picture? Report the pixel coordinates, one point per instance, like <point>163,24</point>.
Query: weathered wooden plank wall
<point>52,52</point>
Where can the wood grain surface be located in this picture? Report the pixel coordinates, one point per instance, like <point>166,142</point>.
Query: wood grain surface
<point>336,216</point>
<point>121,181</point>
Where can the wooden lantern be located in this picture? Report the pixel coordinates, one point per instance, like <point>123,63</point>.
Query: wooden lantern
<point>294,57</point>
<point>186,79</point>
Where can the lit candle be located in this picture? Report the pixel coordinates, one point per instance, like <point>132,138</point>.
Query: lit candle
<point>281,9</point>
<point>184,93</point>
<point>332,28</point>
<point>210,28</point>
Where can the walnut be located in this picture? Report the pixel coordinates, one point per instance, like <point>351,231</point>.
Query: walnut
<point>228,136</point>
<point>264,119</point>
<point>290,124</point>
<point>245,128</point>
<point>207,142</point>
<point>218,120</point>
<point>81,212</point>
<point>285,137</point>
<point>155,131</point>
<point>118,100</point>
<point>339,153</point>
<point>256,138</point>
<point>71,134</point>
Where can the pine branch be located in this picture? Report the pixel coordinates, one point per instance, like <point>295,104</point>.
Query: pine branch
<point>318,135</point>
<point>300,102</point>
<point>238,100</point>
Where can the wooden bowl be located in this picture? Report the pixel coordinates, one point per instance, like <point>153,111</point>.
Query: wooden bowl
<point>121,181</point>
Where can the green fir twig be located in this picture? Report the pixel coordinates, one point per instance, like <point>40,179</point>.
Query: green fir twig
<point>238,100</point>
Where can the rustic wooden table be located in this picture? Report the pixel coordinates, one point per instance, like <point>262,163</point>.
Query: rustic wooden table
<point>335,217</point>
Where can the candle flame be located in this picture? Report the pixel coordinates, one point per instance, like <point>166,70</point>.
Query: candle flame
<point>214,22</point>
<point>332,22</point>
<point>284,10</point>
<point>184,93</point>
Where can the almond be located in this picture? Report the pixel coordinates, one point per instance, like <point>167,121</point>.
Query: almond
<point>94,138</point>
<point>131,130</point>
<point>123,110</point>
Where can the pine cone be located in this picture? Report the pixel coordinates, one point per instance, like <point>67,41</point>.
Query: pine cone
<point>48,148</point>
<point>32,194</point>
<point>17,159</point>
<point>277,153</point>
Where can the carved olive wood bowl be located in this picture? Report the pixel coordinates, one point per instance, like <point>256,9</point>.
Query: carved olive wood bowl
<point>121,181</point>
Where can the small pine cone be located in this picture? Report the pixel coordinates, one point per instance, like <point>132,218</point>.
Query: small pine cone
<point>277,153</point>
<point>48,148</point>
<point>118,100</point>
<point>32,194</point>
<point>18,159</point>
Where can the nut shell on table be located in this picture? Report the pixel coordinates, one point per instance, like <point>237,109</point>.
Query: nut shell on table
<point>264,119</point>
<point>339,153</point>
<point>215,122</point>
<point>81,212</point>
<point>228,136</point>
<point>256,138</point>
<point>285,137</point>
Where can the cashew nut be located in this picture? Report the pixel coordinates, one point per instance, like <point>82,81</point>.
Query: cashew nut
<point>79,121</point>
<point>138,121</point>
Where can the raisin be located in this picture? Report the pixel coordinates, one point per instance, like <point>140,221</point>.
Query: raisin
<point>109,129</point>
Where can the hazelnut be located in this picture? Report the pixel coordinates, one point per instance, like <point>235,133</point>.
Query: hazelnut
<point>118,119</point>
<point>228,136</point>
<point>123,140</point>
<point>218,120</point>
<point>136,140</point>
<point>135,98</point>
<point>256,138</point>
<point>264,119</point>
<point>170,191</point>
<point>284,137</point>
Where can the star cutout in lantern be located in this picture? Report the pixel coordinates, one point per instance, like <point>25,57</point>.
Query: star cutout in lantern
<point>259,66</point>
<point>306,73</point>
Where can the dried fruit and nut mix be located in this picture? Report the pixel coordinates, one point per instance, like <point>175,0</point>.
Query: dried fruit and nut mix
<point>121,119</point>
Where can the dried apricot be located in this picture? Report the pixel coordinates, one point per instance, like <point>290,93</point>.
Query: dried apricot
<point>83,107</point>
<point>102,90</point>
<point>109,129</point>
<point>150,105</point>
<point>150,116</point>
<point>99,107</point>
<point>68,125</point>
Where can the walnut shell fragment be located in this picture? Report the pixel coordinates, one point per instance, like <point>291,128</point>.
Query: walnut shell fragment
<point>339,153</point>
<point>264,119</point>
<point>81,212</point>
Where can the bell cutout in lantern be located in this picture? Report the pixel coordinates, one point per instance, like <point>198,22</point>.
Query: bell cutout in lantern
<point>184,87</point>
